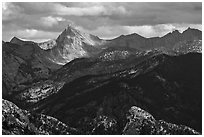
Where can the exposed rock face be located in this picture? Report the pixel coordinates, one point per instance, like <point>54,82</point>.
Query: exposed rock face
<point>100,125</point>
<point>141,122</point>
<point>37,92</point>
<point>72,44</point>
<point>72,35</point>
<point>48,44</point>
<point>104,125</point>
<point>21,122</point>
<point>188,46</point>
<point>16,121</point>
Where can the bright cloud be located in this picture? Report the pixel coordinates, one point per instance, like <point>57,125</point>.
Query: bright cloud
<point>51,21</point>
<point>9,11</point>
<point>89,11</point>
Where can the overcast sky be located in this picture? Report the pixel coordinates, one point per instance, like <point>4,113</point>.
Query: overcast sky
<point>42,21</point>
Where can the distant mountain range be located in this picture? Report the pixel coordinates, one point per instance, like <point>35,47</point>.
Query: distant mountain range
<point>91,84</point>
<point>72,43</point>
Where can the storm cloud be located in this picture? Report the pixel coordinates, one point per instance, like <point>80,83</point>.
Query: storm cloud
<point>42,21</point>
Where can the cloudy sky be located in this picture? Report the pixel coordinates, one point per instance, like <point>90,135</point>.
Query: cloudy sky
<point>43,21</point>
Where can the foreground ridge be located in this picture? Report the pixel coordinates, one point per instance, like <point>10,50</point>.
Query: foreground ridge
<point>141,122</point>
<point>16,121</point>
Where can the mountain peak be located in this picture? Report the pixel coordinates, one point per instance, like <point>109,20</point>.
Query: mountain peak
<point>136,35</point>
<point>191,30</point>
<point>72,34</point>
<point>175,31</point>
<point>69,31</point>
<point>70,26</point>
<point>16,40</point>
<point>20,41</point>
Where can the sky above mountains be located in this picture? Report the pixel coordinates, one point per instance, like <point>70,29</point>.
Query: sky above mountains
<point>43,21</point>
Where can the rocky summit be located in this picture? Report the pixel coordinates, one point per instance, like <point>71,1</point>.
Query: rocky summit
<point>81,84</point>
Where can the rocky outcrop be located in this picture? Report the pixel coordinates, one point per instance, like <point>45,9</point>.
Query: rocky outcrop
<point>47,44</point>
<point>16,121</point>
<point>37,92</point>
<point>185,47</point>
<point>104,125</point>
<point>143,123</point>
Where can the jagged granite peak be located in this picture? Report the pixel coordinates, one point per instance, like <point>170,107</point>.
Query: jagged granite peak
<point>68,31</point>
<point>71,32</point>
<point>72,43</point>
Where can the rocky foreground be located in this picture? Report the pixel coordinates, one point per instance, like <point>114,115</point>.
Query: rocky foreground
<point>16,121</point>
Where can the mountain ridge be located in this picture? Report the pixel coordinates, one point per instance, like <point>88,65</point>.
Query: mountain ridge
<point>174,31</point>
<point>72,43</point>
